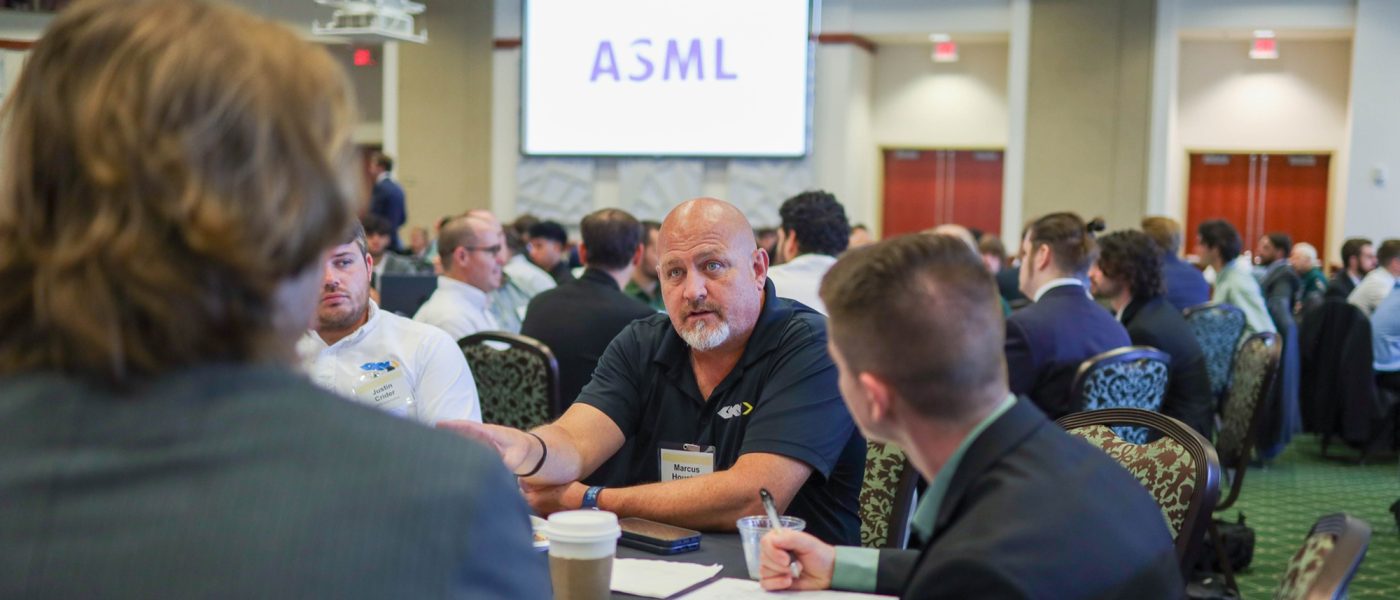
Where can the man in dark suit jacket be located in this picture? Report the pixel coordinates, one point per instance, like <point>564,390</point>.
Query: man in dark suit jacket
<point>386,200</point>
<point>154,441</point>
<point>1128,275</point>
<point>1358,258</point>
<point>1048,340</point>
<point>1015,506</point>
<point>578,319</point>
<point>1185,285</point>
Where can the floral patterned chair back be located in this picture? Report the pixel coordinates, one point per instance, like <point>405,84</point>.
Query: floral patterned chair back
<point>1131,377</point>
<point>886,497</point>
<point>1251,380</point>
<point>1325,564</point>
<point>1180,468</point>
<point>517,378</point>
<point>1218,327</point>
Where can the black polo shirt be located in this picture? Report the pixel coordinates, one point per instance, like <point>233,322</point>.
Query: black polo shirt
<point>781,398</point>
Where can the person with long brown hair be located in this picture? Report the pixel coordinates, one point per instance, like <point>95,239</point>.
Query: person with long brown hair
<point>175,172</point>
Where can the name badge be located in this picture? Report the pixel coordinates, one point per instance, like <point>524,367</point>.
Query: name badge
<point>684,464</point>
<point>388,391</point>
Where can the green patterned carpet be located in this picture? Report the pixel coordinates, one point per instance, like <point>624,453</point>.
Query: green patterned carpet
<point>1283,500</point>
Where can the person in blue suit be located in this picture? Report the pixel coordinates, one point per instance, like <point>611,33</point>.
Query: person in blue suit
<point>1186,286</point>
<point>1047,341</point>
<point>386,201</point>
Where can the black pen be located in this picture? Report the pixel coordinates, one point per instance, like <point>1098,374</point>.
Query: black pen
<point>774,522</point>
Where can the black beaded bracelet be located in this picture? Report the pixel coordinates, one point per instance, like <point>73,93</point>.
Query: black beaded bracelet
<point>544,453</point>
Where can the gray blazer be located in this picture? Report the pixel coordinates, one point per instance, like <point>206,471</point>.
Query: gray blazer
<point>247,482</point>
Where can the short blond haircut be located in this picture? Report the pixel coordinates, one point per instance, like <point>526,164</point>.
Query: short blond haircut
<point>171,164</point>
<point>1165,232</point>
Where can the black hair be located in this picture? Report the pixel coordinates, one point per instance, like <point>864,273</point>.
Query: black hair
<point>1281,241</point>
<point>549,230</point>
<point>1131,256</point>
<point>1220,235</point>
<point>1352,249</point>
<point>818,221</point>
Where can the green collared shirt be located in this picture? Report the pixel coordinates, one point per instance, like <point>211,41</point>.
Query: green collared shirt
<point>635,291</point>
<point>855,569</point>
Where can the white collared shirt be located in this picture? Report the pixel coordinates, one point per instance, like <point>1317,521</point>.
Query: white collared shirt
<point>432,367</point>
<point>1054,283</point>
<point>1372,290</point>
<point>529,278</point>
<point>457,308</point>
<point>800,278</point>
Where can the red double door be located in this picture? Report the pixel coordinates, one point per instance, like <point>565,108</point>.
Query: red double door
<point>924,188</point>
<point>1259,194</point>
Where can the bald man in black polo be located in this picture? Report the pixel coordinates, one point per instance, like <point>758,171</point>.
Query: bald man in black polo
<point>730,392</point>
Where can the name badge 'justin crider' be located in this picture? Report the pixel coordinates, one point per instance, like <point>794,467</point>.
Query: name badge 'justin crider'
<point>383,386</point>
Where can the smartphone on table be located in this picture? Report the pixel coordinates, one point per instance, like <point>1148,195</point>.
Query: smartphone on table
<point>657,538</point>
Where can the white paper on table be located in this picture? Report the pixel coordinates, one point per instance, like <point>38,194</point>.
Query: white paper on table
<point>745,589</point>
<point>658,578</point>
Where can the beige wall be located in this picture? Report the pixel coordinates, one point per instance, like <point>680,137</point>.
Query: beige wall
<point>1370,199</point>
<point>1230,102</point>
<point>922,104</point>
<point>444,126</point>
<point>1088,108</point>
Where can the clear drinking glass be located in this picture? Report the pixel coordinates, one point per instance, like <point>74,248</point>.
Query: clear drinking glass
<point>752,529</point>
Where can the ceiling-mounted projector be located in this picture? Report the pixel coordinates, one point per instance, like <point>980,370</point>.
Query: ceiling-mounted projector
<point>372,20</point>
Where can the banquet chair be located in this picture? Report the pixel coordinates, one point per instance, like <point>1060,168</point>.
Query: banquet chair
<point>887,497</point>
<point>1251,382</point>
<point>1130,377</point>
<point>1218,327</point>
<point>1330,555</point>
<point>517,379</point>
<point>1180,468</point>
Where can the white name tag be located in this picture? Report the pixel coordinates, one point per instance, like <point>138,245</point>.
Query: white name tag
<point>682,464</point>
<point>388,391</point>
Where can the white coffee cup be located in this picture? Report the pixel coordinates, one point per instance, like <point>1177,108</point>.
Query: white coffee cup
<point>581,548</point>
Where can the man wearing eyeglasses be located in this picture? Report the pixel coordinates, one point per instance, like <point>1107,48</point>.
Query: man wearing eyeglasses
<point>470,249</point>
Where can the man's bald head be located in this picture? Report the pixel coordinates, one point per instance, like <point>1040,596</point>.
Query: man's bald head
<point>712,273</point>
<point>471,248</point>
<point>483,215</point>
<point>708,214</point>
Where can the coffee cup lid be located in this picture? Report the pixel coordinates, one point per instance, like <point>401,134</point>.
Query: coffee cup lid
<point>582,526</point>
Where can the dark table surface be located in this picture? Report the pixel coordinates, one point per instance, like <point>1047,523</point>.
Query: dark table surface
<point>722,549</point>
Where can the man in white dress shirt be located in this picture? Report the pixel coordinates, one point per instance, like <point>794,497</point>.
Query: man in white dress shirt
<point>470,247</point>
<point>814,231</point>
<point>1380,281</point>
<point>378,358</point>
